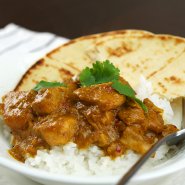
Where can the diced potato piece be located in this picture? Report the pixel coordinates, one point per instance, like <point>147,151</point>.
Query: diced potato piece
<point>58,130</point>
<point>133,138</point>
<point>48,100</point>
<point>102,95</point>
<point>17,110</point>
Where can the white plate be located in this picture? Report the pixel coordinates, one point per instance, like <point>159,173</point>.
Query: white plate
<point>8,177</point>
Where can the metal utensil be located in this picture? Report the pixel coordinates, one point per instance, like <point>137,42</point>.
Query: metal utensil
<point>171,139</point>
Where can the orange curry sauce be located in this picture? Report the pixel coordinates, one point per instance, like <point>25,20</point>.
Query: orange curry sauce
<point>95,115</point>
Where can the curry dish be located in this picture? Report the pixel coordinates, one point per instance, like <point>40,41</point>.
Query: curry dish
<point>95,115</point>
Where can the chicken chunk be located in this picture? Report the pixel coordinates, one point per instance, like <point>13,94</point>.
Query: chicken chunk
<point>17,110</point>
<point>71,85</point>
<point>132,113</point>
<point>106,136</point>
<point>98,118</point>
<point>30,145</point>
<point>85,135</point>
<point>103,123</point>
<point>48,100</point>
<point>133,138</point>
<point>102,139</point>
<point>58,129</point>
<point>169,129</point>
<point>102,95</point>
<point>155,121</point>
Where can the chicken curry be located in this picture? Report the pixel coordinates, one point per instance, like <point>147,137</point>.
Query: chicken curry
<point>86,115</point>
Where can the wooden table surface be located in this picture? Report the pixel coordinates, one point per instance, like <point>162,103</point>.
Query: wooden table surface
<point>74,18</point>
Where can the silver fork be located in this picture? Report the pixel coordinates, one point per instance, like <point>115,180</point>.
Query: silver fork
<point>171,139</point>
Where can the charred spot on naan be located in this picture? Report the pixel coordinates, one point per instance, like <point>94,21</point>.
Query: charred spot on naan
<point>174,79</point>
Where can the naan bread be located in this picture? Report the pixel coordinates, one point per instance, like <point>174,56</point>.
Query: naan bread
<point>160,58</point>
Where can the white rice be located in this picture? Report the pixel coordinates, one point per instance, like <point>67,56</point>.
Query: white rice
<point>69,160</point>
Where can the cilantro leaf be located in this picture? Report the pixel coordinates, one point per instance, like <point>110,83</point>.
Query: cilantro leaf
<point>45,84</point>
<point>129,92</point>
<point>143,106</point>
<point>104,72</point>
<point>101,72</point>
<point>86,78</point>
<point>123,89</point>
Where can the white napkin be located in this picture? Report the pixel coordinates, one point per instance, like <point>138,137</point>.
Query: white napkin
<point>20,49</point>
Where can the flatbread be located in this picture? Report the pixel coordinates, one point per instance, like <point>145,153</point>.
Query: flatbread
<point>160,58</point>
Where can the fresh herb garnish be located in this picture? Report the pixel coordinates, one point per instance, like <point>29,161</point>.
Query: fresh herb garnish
<point>129,92</point>
<point>123,89</point>
<point>45,84</point>
<point>103,72</point>
<point>86,77</point>
<point>143,106</point>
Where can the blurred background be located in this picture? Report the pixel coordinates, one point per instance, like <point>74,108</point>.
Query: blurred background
<point>74,18</point>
